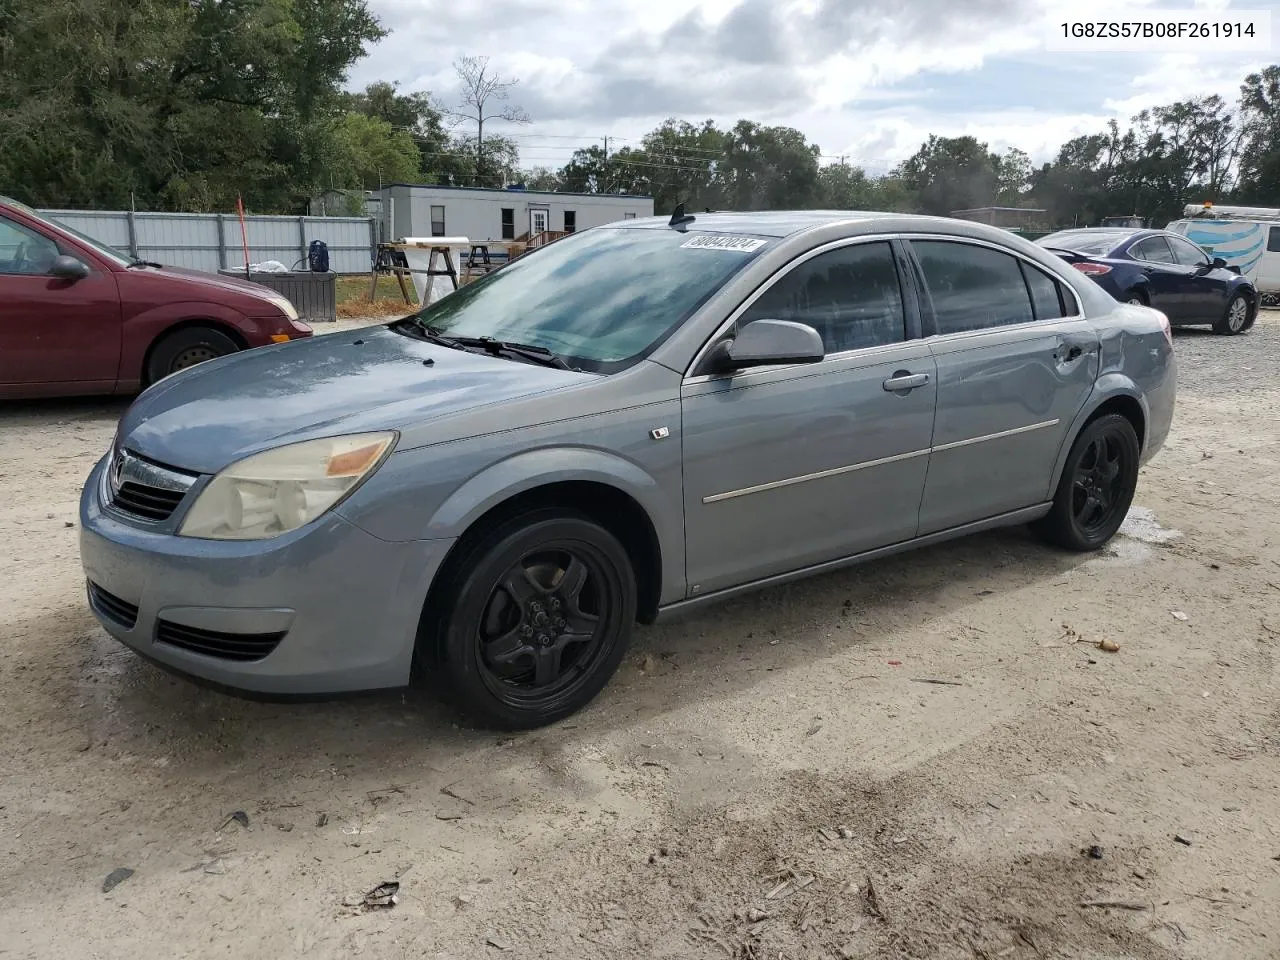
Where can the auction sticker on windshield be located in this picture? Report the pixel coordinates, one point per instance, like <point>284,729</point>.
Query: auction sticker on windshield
<point>740,244</point>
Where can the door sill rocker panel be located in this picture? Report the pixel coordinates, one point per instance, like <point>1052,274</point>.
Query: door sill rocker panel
<point>678,609</point>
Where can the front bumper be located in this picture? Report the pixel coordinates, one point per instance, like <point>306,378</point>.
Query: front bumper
<point>346,603</point>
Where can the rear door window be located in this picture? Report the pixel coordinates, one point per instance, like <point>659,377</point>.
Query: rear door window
<point>972,287</point>
<point>1152,250</point>
<point>851,295</point>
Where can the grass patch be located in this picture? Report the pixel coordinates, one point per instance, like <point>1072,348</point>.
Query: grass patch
<point>353,298</point>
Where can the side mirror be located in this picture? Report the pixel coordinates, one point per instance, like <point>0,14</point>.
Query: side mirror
<point>69,268</point>
<point>763,343</point>
<point>1219,263</point>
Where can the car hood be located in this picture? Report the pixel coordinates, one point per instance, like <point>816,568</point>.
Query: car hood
<point>199,278</point>
<point>211,415</point>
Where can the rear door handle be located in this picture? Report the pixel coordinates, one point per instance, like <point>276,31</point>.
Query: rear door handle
<point>905,381</point>
<point>1070,350</point>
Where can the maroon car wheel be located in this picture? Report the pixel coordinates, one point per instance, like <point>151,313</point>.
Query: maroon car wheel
<point>186,348</point>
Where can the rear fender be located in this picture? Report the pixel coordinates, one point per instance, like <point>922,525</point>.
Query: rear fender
<point>1108,387</point>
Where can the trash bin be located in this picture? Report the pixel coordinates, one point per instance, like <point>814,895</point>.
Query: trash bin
<point>313,295</point>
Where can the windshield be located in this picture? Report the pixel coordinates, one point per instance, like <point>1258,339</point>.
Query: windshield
<point>111,253</point>
<point>601,299</point>
<point>1095,244</point>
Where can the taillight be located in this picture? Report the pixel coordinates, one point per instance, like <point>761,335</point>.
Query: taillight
<point>1092,269</point>
<point>1166,329</point>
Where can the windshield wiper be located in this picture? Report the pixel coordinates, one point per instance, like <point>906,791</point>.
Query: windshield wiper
<point>494,347</point>
<point>143,263</point>
<point>528,351</point>
<point>423,332</point>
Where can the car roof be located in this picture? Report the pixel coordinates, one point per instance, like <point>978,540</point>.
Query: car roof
<point>771,223</point>
<point>1123,233</point>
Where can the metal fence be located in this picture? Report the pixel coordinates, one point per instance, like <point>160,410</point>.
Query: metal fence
<point>212,241</point>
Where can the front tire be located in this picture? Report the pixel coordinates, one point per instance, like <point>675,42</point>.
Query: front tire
<point>1235,319</point>
<point>1097,486</point>
<point>534,619</point>
<point>186,348</point>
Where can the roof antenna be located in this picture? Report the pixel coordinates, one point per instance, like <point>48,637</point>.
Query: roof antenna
<point>678,216</point>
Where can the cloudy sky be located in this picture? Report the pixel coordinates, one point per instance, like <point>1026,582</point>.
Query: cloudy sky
<point>867,79</point>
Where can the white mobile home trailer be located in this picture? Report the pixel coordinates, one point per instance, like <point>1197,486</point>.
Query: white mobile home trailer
<point>1248,238</point>
<point>482,214</point>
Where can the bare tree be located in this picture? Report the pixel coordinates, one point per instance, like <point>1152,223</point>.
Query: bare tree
<point>484,99</point>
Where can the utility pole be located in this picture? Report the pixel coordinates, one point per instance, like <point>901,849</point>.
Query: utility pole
<point>606,164</point>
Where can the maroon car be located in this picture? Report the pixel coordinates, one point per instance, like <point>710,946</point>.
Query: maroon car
<point>78,317</point>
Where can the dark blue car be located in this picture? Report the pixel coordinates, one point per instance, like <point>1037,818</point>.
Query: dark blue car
<point>1161,270</point>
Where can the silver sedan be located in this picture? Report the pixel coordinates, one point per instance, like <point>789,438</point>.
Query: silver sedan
<point>628,423</point>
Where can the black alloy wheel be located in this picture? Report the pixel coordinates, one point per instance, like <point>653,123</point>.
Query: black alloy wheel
<point>542,613</point>
<point>1097,486</point>
<point>542,627</point>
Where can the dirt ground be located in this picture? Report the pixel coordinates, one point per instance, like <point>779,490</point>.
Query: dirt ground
<point>773,779</point>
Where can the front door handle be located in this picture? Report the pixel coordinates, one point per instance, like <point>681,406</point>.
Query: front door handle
<point>902,380</point>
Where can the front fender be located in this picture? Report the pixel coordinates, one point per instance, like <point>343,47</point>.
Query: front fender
<point>537,468</point>
<point>143,327</point>
<point>410,498</point>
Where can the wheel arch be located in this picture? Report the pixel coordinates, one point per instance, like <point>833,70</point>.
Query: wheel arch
<point>1113,393</point>
<point>1140,287</point>
<point>613,492</point>
<point>188,323</point>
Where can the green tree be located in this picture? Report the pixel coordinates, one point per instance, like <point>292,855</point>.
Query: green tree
<point>541,178</point>
<point>679,162</point>
<point>951,173</point>
<point>768,168</point>
<point>173,105</point>
<point>412,113</point>
<point>586,171</point>
<point>1013,177</point>
<point>1260,140</point>
<point>368,152</point>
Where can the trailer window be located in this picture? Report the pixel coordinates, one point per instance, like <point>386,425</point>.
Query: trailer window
<point>1273,240</point>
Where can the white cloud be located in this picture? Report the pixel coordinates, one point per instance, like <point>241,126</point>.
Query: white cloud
<point>846,72</point>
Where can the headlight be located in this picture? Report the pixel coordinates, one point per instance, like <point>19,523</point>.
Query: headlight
<point>277,491</point>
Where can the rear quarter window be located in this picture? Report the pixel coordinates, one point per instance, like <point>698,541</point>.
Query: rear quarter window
<point>1048,299</point>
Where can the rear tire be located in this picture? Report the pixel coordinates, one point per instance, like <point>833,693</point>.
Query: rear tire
<point>186,348</point>
<point>532,620</point>
<point>1097,486</point>
<point>1135,297</point>
<point>1236,318</point>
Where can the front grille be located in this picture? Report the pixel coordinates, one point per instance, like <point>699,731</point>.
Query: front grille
<point>151,503</point>
<point>242,647</point>
<point>112,607</point>
<point>144,489</point>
